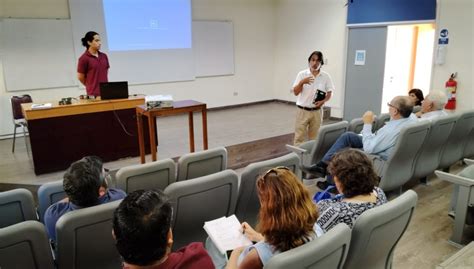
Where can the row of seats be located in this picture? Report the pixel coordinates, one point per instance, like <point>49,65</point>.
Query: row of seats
<point>420,149</point>
<point>84,237</point>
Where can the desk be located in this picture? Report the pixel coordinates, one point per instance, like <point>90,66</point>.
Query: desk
<point>63,134</point>
<point>179,107</point>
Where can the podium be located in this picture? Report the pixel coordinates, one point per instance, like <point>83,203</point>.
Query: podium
<point>63,134</point>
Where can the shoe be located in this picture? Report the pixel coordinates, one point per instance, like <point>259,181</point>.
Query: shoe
<point>452,214</point>
<point>323,185</point>
<point>315,170</point>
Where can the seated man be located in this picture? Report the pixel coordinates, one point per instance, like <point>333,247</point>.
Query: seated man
<point>142,230</point>
<point>85,186</point>
<point>380,143</point>
<point>432,106</point>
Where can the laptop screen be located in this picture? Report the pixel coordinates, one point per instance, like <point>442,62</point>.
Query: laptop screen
<point>113,90</point>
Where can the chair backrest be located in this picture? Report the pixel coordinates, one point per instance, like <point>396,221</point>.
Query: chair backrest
<point>453,149</point>
<point>430,154</point>
<point>48,194</point>
<point>199,200</point>
<point>154,175</point>
<point>16,206</point>
<point>84,238</point>
<point>202,163</point>
<point>356,125</point>
<point>416,109</point>
<point>328,134</point>
<point>25,245</point>
<point>381,120</point>
<point>469,147</point>
<point>377,231</point>
<point>16,102</point>
<point>327,251</point>
<point>248,204</point>
<point>398,169</point>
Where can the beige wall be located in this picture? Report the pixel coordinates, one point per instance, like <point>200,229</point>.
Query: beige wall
<point>457,17</point>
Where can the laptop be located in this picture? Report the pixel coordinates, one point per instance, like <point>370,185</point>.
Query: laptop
<point>113,90</point>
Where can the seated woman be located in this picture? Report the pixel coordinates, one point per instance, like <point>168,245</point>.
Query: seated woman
<point>356,180</point>
<point>286,219</point>
<point>417,96</point>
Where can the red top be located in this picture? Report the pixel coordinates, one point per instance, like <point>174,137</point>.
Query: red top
<point>192,256</point>
<point>95,69</point>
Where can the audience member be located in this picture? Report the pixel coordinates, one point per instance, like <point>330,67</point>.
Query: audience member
<point>356,180</point>
<point>432,106</point>
<point>416,96</point>
<point>380,143</point>
<point>85,186</point>
<point>142,230</point>
<point>286,219</point>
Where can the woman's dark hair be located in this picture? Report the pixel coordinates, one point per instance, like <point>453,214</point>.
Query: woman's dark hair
<point>319,54</point>
<point>81,183</point>
<point>141,224</point>
<point>354,171</point>
<point>419,95</point>
<point>89,37</point>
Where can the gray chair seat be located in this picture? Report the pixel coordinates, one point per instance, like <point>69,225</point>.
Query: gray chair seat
<point>16,206</point>
<point>328,251</point>
<point>48,194</point>
<point>202,163</point>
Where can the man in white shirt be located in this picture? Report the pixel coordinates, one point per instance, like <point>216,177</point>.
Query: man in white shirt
<point>432,106</point>
<point>305,87</point>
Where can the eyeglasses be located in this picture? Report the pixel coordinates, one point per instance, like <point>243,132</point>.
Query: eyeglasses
<point>390,105</point>
<point>273,170</point>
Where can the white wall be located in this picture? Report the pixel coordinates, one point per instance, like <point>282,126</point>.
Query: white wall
<point>254,30</point>
<point>457,17</point>
<point>302,27</point>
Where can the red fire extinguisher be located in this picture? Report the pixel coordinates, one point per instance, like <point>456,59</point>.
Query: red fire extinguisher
<point>451,86</point>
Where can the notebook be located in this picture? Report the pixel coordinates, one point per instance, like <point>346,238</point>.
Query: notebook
<point>113,90</point>
<point>226,233</point>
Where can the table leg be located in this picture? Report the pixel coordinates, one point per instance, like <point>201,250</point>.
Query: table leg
<point>191,131</point>
<point>204,127</point>
<point>151,128</point>
<point>141,143</point>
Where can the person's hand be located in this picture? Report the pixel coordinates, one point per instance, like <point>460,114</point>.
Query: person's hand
<point>319,103</point>
<point>368,117</point>
<point>307,80</point>
<point>250,233</point>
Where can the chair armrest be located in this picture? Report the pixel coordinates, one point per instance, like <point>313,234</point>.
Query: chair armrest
<point>378,163</point>
<point>468,161</point>
<point>295,149</point>
<point>455,179</point>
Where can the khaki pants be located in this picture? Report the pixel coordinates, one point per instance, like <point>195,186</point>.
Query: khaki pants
<point>307,123</point>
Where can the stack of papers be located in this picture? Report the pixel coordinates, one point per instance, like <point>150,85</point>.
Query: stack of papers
<point>226,233</point>
<point>159,101</point>
<point>41,106</point>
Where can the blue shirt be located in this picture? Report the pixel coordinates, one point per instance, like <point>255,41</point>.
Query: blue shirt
<point>56,210</point>
<point>382,141</point>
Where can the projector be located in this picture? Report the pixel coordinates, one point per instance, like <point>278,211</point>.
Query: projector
<point>158,101</point>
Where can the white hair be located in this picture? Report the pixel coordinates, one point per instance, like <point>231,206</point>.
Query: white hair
<point>438,98</point>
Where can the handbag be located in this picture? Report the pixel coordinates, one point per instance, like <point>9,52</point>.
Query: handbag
<point>323,195</point>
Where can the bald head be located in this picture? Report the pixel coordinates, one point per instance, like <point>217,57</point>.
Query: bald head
<point>404,105</point>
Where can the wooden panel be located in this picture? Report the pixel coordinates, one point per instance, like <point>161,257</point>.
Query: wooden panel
<point>81,107</point>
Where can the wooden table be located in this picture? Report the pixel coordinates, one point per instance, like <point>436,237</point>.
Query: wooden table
<point>63,134</point>
<point>179,107</point>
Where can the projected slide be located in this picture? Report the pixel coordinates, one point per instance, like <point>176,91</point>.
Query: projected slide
<point>147,24</point>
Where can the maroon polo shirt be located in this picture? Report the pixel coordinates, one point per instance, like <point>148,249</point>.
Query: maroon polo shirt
<point>95,69</point>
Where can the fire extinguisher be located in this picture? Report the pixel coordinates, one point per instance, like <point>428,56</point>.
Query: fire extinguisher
<point>451,86</point>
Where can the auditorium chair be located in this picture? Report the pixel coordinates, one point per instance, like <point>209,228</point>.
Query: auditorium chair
<point>469,148</point>
<point>356,125</point>
<point>16,206</point>
<point>25,245</point>
<point>311,152</point>
<point>202,163</point>
<point>430,154</point>
<point>464,190</point>
<point>48,194</point>
<point>328,251</point>
<point>154,175</point>
<point>199,200</point>
<point>380,121</point>
<point>453,149</point>
<point>248,204</point>
<point>18,118</point>
<point>398,168</point>
<point>377,232</point>
<point>84,238</point>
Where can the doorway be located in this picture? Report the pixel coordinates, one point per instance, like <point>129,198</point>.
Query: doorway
<point>408,60</point>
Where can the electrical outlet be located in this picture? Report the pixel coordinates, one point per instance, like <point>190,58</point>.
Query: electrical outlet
<point>236,93</point>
